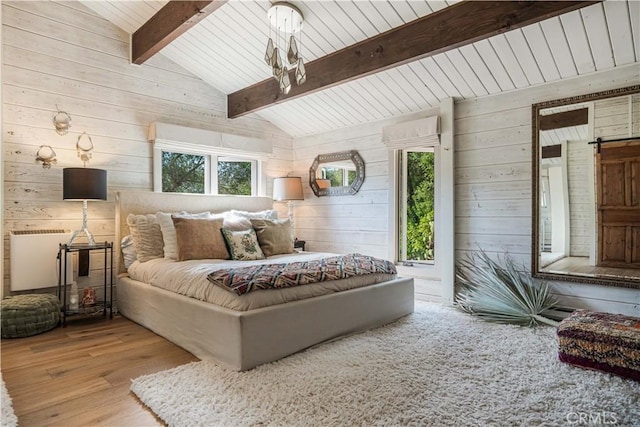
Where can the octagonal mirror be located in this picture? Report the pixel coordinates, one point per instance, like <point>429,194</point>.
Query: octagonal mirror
<point>336,174</point>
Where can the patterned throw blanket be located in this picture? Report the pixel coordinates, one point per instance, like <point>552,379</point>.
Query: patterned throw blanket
<point>275,276</point>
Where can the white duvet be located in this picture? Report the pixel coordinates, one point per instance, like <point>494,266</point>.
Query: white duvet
<point>189,278</point>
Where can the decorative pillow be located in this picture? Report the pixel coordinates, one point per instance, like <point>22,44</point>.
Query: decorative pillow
<point>243,245</point>
<point>236,222</point>
<point>128,251</point>
<point>169,231</point>
<point>274,236</point>
<point>147,237</point>
<point>267,214</point>
<point>240,220</point>
<point>199,238</point>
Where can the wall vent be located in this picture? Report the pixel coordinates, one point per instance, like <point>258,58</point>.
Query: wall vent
<point>47,231</point>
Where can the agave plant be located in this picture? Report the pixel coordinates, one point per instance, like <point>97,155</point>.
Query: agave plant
<point>499,291</point>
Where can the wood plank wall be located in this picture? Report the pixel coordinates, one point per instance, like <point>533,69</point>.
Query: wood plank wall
<point>358,223</point>
<point>580,196</point>
<point>61,53</point>
<point>492,177</point>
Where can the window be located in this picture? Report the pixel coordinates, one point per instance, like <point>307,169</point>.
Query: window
<point>421,172</point>
<point>236,176</point>
<point>416,207</point>
<point>192,172</point>
<point>340,174</point>
<point>183,173</point>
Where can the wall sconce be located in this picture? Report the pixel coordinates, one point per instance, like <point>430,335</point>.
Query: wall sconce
<point>47,156</point>
<point>84,151</point>
<point>62,122</point>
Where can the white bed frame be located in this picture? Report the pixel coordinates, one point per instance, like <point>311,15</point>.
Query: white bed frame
<point>241,340</point>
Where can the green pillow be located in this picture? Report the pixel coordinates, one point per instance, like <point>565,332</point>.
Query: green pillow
<point>274,236</point>
<point>243,245</point>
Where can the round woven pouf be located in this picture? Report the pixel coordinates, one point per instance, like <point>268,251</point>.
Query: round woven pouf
<point>26,315</point>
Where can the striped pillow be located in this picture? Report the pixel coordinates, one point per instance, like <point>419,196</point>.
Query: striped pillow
<point>147,237</point>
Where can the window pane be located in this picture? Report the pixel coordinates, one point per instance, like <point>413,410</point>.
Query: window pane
<point>234,178</point>
<point>182,173</point>
<point>351,176</point>
<point>334,175</point>
<point>419,220</point>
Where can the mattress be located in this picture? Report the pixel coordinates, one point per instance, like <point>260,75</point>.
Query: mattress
<point>189,278</point>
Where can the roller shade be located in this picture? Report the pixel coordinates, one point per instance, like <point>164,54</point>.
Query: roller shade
<point>419,133</point>
<point>170,137</point>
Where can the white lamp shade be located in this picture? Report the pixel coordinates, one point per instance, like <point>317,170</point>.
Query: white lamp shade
<point>287,188</point>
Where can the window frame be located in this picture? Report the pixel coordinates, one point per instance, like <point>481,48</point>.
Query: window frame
<point>212,157</point>
<point>443,271</point>
<point>401,197</point>
<point>424,270</point>
<point>343,170</point>
<point>255,168</point>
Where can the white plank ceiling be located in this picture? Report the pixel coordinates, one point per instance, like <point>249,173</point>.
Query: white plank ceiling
<point>226,50</point>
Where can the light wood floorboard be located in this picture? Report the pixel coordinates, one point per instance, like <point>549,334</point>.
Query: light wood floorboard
<point>80,375</point>
<point>580,266</point>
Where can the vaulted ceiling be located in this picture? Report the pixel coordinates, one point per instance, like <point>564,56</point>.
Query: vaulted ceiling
<point>226,50</point>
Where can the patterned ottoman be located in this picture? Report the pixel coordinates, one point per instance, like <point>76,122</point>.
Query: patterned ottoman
<point>26,315</point>
<point>603,341</point>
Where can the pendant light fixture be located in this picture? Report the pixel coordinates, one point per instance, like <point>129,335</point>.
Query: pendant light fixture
<point>286,20</point>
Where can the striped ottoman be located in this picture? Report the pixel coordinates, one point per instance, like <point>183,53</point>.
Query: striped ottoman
<point>26,315</point>
<point>603,341</point>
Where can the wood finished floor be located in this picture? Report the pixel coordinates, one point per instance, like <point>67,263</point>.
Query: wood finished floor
<point>580,265</point>
<point>80,375</point>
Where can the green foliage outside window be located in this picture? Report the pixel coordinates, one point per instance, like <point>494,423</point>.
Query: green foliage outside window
<point>182,173</point>
<point>420,206</point>
<point>334,175</point>
<point>351,176</point>
<point>185,173</point>
<point>234,178</point>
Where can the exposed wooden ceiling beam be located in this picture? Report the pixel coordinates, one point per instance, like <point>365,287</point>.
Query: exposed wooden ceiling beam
<point>169,23</point>
<point>449,28</point>
<point>552,151</point>
<point>564,119</point>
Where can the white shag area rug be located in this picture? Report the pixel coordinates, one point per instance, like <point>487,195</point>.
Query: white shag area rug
<point>7,416</point>
<point>436,367</point>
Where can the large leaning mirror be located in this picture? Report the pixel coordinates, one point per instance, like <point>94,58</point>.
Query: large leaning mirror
<point>586,188</point>
<point>336,174</point>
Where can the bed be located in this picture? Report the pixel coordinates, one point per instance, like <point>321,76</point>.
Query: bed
<point>243,339</point>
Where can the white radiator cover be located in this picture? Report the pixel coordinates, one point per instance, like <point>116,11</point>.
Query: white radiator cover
<point>34,262</point>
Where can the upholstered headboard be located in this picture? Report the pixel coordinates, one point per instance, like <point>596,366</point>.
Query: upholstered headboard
<point>146,202</point>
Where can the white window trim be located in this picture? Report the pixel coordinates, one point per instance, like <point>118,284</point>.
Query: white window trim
<point>211,144</point>
<point>402,201</point>
<point>255,169</point>
<point>210,171</point>
<point>426,269</point>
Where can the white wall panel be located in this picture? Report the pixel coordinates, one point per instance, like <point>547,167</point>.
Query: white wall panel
<point>62,53</point>
<point>493,200</point>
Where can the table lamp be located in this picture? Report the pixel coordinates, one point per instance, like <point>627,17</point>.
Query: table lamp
<point>287,189</point>
<point>84,184</point>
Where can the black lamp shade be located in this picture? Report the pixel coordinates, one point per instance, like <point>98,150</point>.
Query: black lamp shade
<point>84,184</point>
